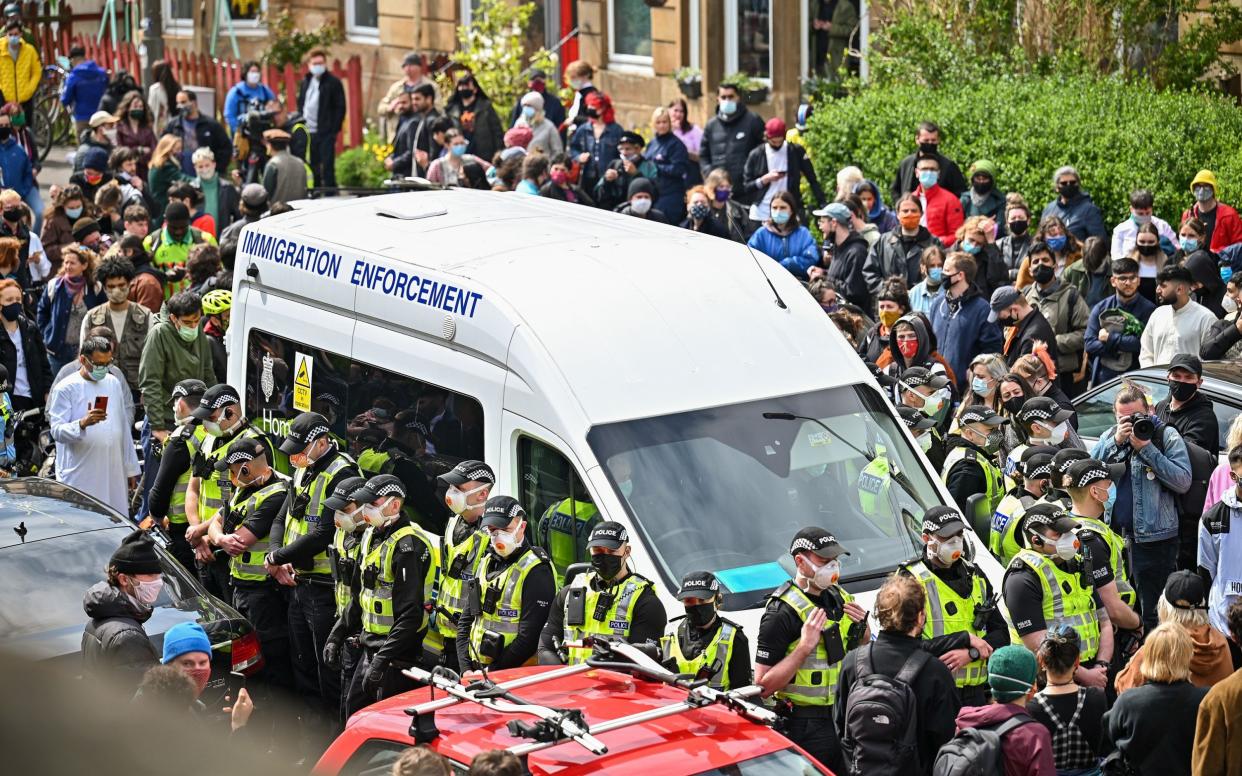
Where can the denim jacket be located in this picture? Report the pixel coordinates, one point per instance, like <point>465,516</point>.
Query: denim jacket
<point>1155,503</point>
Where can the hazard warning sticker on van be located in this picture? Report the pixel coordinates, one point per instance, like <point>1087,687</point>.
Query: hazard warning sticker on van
<point>303,369</point>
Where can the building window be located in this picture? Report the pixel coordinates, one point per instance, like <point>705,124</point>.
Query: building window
<point>179,15</point>
<point>748,37</point>
<point>629,32</point>
<point>247,16</point>
<point>362,20</point>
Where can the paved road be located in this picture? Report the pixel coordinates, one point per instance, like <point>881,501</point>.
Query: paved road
<point>56,169</point>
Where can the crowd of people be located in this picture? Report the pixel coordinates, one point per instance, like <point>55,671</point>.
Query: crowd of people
<point>981,320</point>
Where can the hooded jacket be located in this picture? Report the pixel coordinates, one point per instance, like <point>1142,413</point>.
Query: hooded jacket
<point>896,254</point>
<point>1204,267</point>
<point>84,88</point>
<point>114,641</point>
<point>1026,750</point>
<point>883,217</point>
<point>727,141</point>
<point>962,329</point>
<point>1067,313</point>
<point>1034,327</point>
<point>992,206</point>
<point>926,356</point>
<point>845,271</point>
<point>1080,215</point>
<point>1209,664</point>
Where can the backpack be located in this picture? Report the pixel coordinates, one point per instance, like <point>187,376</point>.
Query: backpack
<point>1202,464</point>
<point>881,719</point>
<point>976,751</point>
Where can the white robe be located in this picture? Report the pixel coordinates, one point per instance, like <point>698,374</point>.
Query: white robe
<point>100,459</point>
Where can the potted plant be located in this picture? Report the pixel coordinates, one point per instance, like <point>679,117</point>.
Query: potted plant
<point>753,91</point>
<point>689,81</point>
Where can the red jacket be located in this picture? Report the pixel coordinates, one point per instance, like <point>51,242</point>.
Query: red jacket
<point>1027,748</point>
<point>1228,226</point>
<point>944,213</point>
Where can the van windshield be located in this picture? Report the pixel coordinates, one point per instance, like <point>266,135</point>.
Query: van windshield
<point>725,489</point>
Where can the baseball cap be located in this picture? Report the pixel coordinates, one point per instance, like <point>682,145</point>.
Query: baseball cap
<point>836,211</point>
<point>499,511</point>
<point>304,429</point>
<point>1002,298</point>
<point>1043,408</point>
<point>914,419</point>
<point>609,534</point>
<point>344,493</point>
<point>188,389</point>
<point>468,471</point>
<point>817,540</point>
<point>881,376</point>
<point>243,450</point>
<point>1190,363</point>
<point>978,413</point>
<point>101,117</point>
<point>1037,467</point>
<point>698,584</point>
<point>918,376</point>
<point>1049,515</point>
<point>1089,470</point>
<point>1185,590</point>
<point>1030,450</point>
<point>1011,672</point>
<point>1062,460</point>
<point>775,127</point>
<point>943,521</point>
<point>215,397</point>
<point>632,138</point>
<point>379,486</point>
<point>412,58</point>
<point>253,195</point>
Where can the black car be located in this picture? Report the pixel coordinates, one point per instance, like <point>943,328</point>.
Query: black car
<point>1222,383</point>
<point>55,542</point>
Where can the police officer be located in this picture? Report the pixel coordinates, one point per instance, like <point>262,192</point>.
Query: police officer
<point>1060,466</point>
<point>608,600</point>
<point>298,553</point>
<point>166,501</point>
<point>259,491</point>
<point>1034,482</point>
<point>219,411</point>
<point>343,650</point>
<point>808,626</point>
<point>970,466</point>
<point>705,644</point>
<point>964,624</point>
<point>467,488</point>
<point>925,434</point>
<point>565,528</point>
<point>1048,586</point>
<point>1090,484</point>
<point>510,597</point>
<point>396,589</point>
<point>1044,422</point>
<point>926,391</point>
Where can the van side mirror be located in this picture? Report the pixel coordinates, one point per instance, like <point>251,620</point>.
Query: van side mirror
<point>574,570</point>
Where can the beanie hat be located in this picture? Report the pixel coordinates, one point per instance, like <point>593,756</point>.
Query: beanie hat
<point>984,166</point>
<point>95,158</point>
<point>1011,672</point>
<point>136,555</point>
<point>641,186</point>
<point>519,136</point>
<point>533,99</point>
<point>83,227</point>
<point>182,638</point>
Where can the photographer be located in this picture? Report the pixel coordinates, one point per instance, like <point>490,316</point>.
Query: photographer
<point>1144,508</point>
<point>248,147</point>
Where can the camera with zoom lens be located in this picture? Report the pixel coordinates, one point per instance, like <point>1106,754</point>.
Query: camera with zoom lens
<point>1142,427</point>
<point>256,122</point>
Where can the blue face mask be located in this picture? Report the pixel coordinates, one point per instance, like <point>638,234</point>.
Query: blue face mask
<point>1189,244</point>
<point>979,386</point>
<point>928,178</point>
<point>970,247</point>
<point>528,111</point>
<point>1111,500</point>
<point>935,274</point>
<point>780,217</point>
<point>1226,273</point>
<point>458,150</point>
<point>728,107</point>
<point>1056,243</point>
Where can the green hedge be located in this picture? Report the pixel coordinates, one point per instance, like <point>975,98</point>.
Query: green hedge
<point>1120,136</point>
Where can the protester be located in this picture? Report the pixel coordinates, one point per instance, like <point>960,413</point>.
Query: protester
<point>849,249</point>
<point>22,352</point>
<point>885,220</point>
<point>730,136</point>
<point>1090,275</point>
<point>699,214</point>
<point>321,101</point>
<point>128,321</point>
<point>1013,246</point>
<point>1219,555</point>
<point>83,87</point>
<point>942,211</point>
<point>1064,309</point>
<point>1115,324</point>
<point>668,154</point>
<point>219,196</point>
<point>1072,713</point>
<point>776,166</point>
<point>1218,743</point>
<point>195,130</point>
<point>892,303</point>
<point>925,293</point>
<point>412,66</point>
<point>1224,226</point>
<point>1142,204</point>
<point>960,318</point>
<point>560,186</point>
<point>578,75</point>
<point>784,239</point>
<point>1023,322</point>
<point>1026,748</point>
<point>612,189</point>
<point>65,301</point>
<point>1187,408</point>
<point>451,168</point>
<point>1179,324</point>
<point>907,179</point>
<point>114,644</point>
<point>476,117</point>
<point>174,351</point>
<point>641,201</point>
<point>729,214</point>
<point>554,111</point>
<point>1184,603</point>
<point>545,137</point>
<point>691,136</point>
<point>900,252</point>
<point>285,176</point>
<point>593,144</point>
<point>1073,206</point>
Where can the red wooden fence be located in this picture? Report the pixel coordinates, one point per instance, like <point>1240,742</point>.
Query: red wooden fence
<point>219,74</point>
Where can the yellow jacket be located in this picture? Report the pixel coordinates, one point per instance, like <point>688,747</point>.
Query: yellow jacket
<point>20,79</point>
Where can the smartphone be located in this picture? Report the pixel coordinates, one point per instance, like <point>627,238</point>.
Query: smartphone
<point>233,684</point>
<point>101,403</point>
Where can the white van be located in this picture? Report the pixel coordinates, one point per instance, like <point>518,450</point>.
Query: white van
<point>688,387</point>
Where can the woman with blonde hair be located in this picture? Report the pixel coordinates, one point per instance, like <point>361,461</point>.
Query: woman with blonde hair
<point>668,154</point>
<point>164,171</point>
<point>727,212</point>
<point>1152,727</point>
<point>847,179</point>
<point>64,303</point>
<point>1184,603</point>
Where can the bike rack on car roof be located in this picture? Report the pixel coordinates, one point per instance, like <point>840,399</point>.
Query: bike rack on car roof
<point>556,726</point>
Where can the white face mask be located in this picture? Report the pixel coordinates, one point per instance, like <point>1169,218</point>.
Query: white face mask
<point>346,521</point>
<point>826,575</point>
<point>505,542</point>
<point>933,403</point>
<point>1058,433</point>
<point>1067,546</point>
<point>374,515</point>
<point>925,442</point>
<point>1230,306</point>
<point>457,499</point>
<point>947,551</point>
<point>641,206</point>
<point>146,593</point>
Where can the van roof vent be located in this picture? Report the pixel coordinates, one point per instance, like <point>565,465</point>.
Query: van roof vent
<point>407,210</point>
<point>449,328</point>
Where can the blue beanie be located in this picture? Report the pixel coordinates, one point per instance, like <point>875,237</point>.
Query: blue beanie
<point>185,637</point>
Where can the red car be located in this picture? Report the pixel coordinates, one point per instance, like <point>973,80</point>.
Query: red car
<point>709,740</point>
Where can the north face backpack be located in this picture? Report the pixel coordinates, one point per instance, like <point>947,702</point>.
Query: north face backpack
<point>881,719</point>
<point>976,751</point>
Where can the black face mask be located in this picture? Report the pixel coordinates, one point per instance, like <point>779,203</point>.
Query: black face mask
<point>5,133</point>
<point>13,215</point>
<point>1004,321</point>
<point>927,149</point>
<point>1148,250</point>
<point>1018,227</point>
<point>137,115</point>
<point>1012,406</point>
<point>1043,273</point>
<point>700,616</point>
<point>1182,391</point>
<point>982,188</point>
<point>607,566</point>
<point>11,312</point>
<point>1068,190</point>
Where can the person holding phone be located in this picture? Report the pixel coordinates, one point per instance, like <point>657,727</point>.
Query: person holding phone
<point>88,437</point>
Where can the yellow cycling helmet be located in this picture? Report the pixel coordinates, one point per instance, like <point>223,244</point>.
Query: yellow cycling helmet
<point>216,302</point>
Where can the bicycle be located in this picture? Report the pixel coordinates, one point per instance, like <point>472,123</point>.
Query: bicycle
<point>52,123</point>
